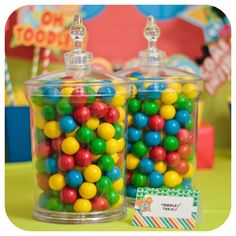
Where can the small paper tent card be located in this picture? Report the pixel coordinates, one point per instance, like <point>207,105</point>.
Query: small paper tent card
<point>166,208</point>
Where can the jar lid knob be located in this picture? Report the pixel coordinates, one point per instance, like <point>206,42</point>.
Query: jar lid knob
<point>151,31</point>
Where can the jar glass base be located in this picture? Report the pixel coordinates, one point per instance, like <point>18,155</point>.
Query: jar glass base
<point>130,202</point>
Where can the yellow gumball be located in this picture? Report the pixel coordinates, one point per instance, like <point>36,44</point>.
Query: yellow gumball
<point>112,146</point>
<point>134,91</point>
<point>82,205</point>
<point>119,203</point>
<point>159,102</point>
<point>52,129</point>
<point>115,157</point>
<point>122,124</point>
<point>39,121</point>
<point>121,142</point>
<point>118,184</point>
<point>167,112</point>
<point>106,131</point>
<point>118,100</point>
<point>191,90</point>
<point>96,157</point>
<point>67,91</point>
<point>87,190</point>
<point>190,172</point>
<point>122,114</point>
<point>160,166</point>
<point>73,133</point>
<point>168,97</point>
<point>177,87</point>
<point>80,168</point>
<point>57,182</point>
<point>171,179</point>
<point>70,145</point>
<point>132,162</point>
<point>130,119</point>
<point>92,123</point>
<point>36,108</point>
<point>92,173</point>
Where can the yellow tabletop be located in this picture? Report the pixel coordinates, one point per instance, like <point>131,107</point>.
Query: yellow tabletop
<point>214,185</point>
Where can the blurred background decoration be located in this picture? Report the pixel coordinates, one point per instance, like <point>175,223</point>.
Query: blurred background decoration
<point>196,38</point>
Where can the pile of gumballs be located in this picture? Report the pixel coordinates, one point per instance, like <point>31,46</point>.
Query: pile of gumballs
<point>79,146</point>
<point>160,150</point>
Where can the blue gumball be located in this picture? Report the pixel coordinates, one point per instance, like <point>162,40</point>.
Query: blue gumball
<point>146,165</point>
<point>67,124</point>
<point>171,127</point>
<point>134,134</point>
<point>140,120</point>
<point>43,199</point>
<point>51,165</point>
<point>141,93</point>
<point>129,147</point>
<point>136,74</point>
<point>152,138</point>
<point>155,179</point>
<point>131,191</point>
<point>187,183</point>
<point>182,116</point>
<point>114,174</point>
<point>106,93</point>
<point>153,92</point>
<point>74,178</point>
<point>51,95</point>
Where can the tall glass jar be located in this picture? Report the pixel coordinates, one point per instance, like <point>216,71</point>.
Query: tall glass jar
<point>162,121</point>
<point>78,122</point>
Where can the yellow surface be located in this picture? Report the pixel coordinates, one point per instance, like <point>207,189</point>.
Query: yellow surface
<point>214,186</point>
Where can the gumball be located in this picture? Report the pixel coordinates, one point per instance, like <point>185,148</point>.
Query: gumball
<point>170,143</point>
<point>139,149</point>
<point>177,87</point>
<point>37,98</point>
<point>114,174</point>
<point>190,124</point>
<point>82,114</point>
<point>70,145</point>
<point>84,135</point>
<point>43,149</point>
<point>51,95</point>
<point>87,190</point>
<point>190,106</point>
<point>182,167</point>
<point>146,165</point>
<point>42,180</point>
<point>103,185</point>
<point>182,102</point>
<point>112,146</point>
<point>65,162</point>
<point>190,172</point>
<point>129,147</point>
<point>190,90</point>
<point>184,151</point>
<point>118,185</point>
<point>182,116</point>
<point>136,74</point>
<point>73,133</point>
<point>119,131</point>
<point>56,144</point>
<point>128,177</point>
<point>39,121</point>
<point>150,108</point>
<point>169,96</point>
<point>115,157</point>
<point>67,124</point>
<point>171,179</point>
<point>139,179</point>
<point>134,105</point>
<point>160,166</point>
<point>141,93</point>
<point>155,179</point>
<point>82,205</point>
<point>156,123</point>
<point>39,135</point>
<point>91,95</point>
<point>68,195</point>
<point>52,129</point>
<point>98,146</point>
<point>171,127</point>
<point>74,178</point>
<point>132,162</point>
<point>54,204</point>
<point>66,92</point>
<point>106,131</point>
<point>131,191</point>
<point>43,199</point>
<point>106,162</point>
<point>106,93</point>
<point>112,197</point>
<point>183,136</point>
<point>130,120</point>
<point>122,113</point>
<point>134,134</point>
<point>49,112</point>
<point>112,115</point>
<point>83,157</point>
<point>79,97</point>
<point>153,92</point>
<point>57,182</point>
<point>40,165</point>
<point>64,107</point>
<point>51,165</point>
<point>152,138</point>
<point>140,120</point>
<point>167,112</point>
<point>99,204</point>
<point>92,173</point>
<point>92,123</point>
<point>99,109</point>
<point>172,159</point>
<point>157,153</point>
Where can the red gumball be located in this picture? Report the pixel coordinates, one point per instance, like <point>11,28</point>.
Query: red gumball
<point>112,115</point>
<point>99,109</point>
<point>68,195</point>
<point>44,149</point>
<point>42,180</point>
<point>65,162</point>
<point>157,153</point>
<point>79,97</point>
<point>83,157</point>
<point>184,151</point>
<point>182,167</point>
<point>156,123</point>
<point>99,204</point>
<point>128,178</point>
<point>191,139</point>
<point>173,159</point>
<point>82,114</point>
<point>120,160</point>
<point>183,136</point>
<point>56,144</point>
